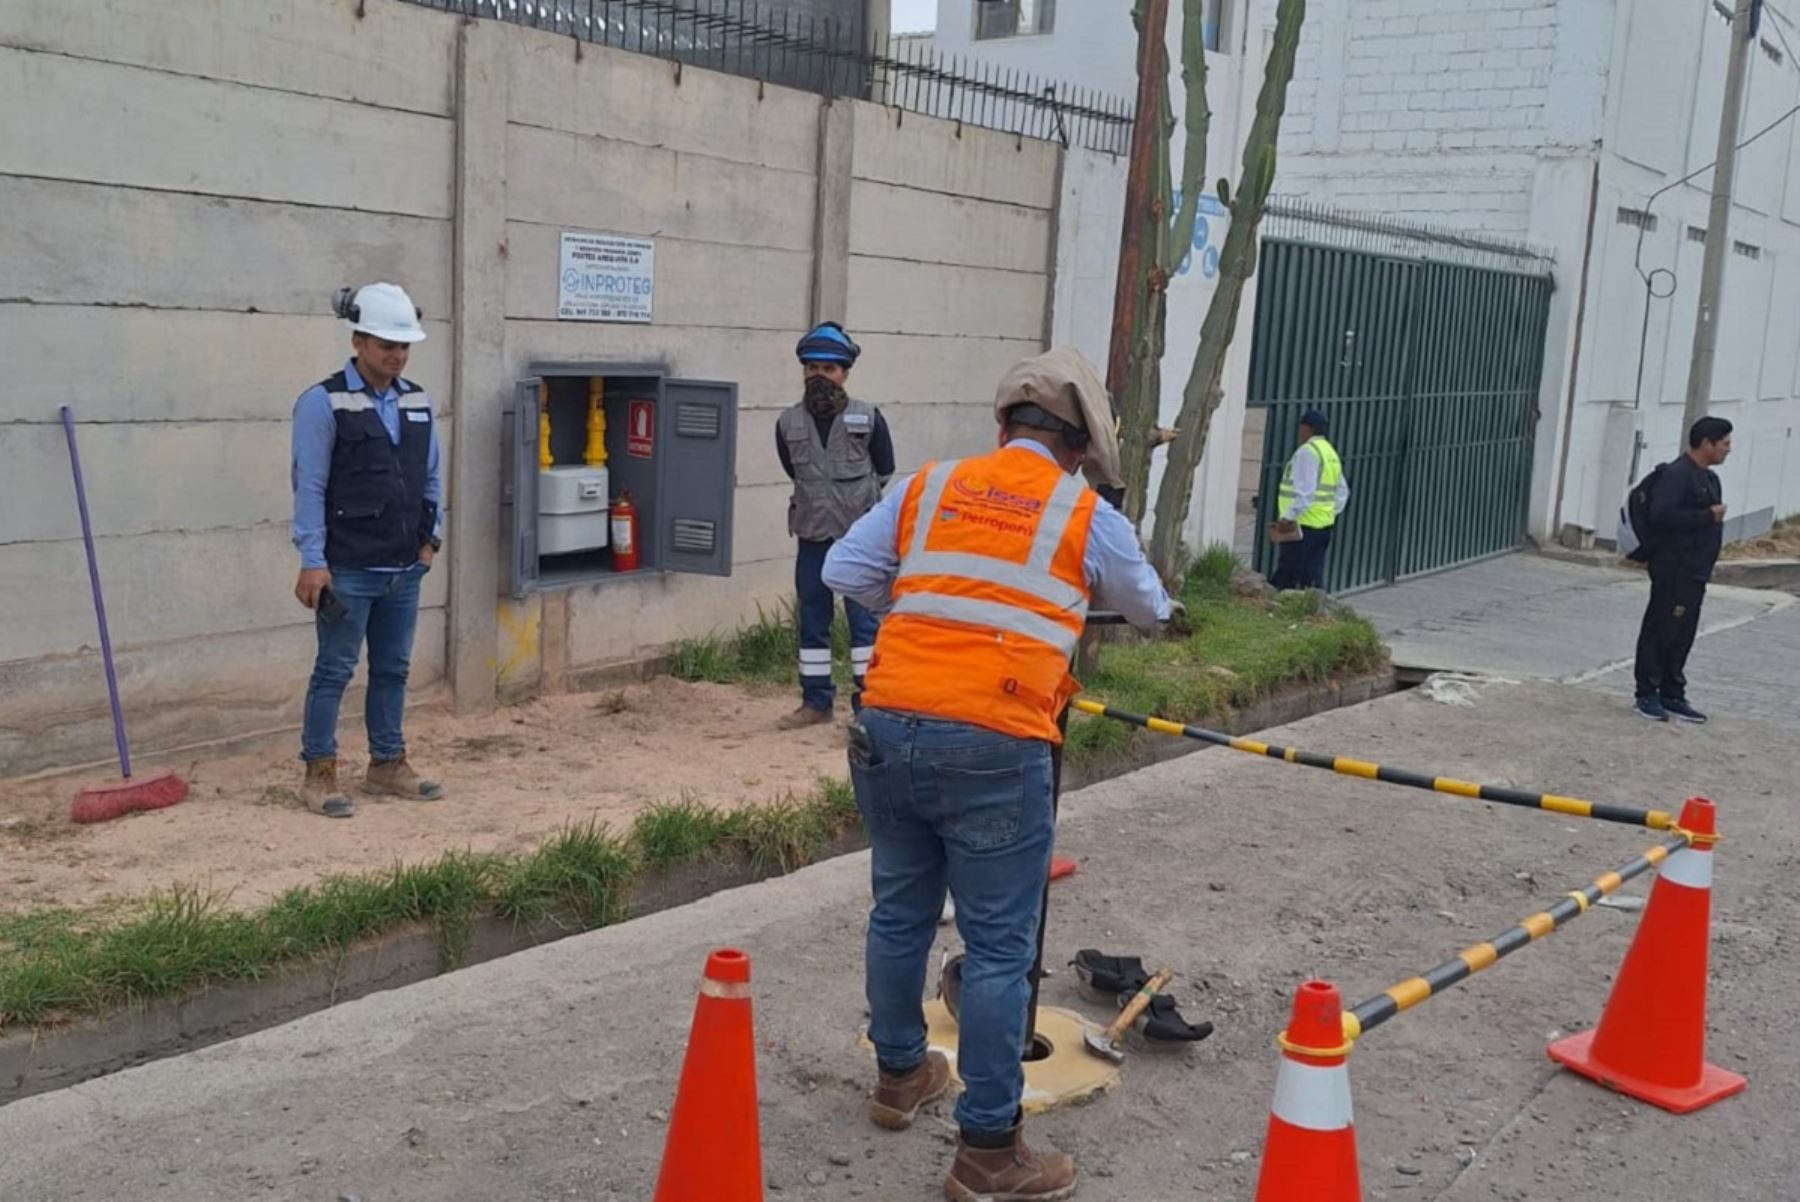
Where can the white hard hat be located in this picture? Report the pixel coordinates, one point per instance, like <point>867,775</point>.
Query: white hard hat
<point>381,311</point>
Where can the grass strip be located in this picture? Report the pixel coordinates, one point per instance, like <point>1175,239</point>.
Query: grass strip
<point>1243,646</point>
<point>60,964</point>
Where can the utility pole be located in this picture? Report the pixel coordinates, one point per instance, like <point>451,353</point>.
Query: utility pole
<point>1127,295</point>
<point>1718,237</point>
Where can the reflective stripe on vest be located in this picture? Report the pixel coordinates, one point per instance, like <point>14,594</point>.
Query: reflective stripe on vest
<point>1321,509</point>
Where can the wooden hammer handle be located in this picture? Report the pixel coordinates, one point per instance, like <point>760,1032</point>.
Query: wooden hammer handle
<point>1138,1004</point>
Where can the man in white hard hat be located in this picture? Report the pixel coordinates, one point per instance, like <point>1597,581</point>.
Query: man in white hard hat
<point>368,512</point>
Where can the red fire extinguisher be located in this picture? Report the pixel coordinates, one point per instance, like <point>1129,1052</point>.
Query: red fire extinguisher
<point>624,534</point>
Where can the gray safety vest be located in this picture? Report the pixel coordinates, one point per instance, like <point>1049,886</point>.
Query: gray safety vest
<point>834,484</point>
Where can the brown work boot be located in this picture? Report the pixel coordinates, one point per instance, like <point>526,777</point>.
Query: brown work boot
<point>897,1099</point>
<point>1011,1174</point>
<point>320,791</point>
<point>805,716</point>
<point>395,778</point>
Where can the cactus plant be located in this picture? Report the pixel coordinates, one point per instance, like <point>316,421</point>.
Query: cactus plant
<point>1237,262</point>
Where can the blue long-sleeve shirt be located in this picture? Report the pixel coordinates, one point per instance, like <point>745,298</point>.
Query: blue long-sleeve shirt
<point>862,565</point>
<point>315,434</point>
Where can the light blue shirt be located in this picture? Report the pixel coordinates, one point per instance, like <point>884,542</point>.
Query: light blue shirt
<point>315,434</point>
<point>862,564</point>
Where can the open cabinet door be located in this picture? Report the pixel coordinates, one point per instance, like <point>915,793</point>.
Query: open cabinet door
<point>519,497</point>
<point>697,484</point>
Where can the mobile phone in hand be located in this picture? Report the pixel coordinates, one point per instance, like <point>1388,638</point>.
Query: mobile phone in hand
<point>330,608</point>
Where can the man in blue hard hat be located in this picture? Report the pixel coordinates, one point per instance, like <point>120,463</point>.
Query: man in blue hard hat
<point>839,455</point>
<point>1313,495</point>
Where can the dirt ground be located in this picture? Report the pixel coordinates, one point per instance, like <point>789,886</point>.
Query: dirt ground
<point>1783,542</point>
<point>511,778</point>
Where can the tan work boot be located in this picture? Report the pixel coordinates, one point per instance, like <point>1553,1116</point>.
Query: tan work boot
<point>1010,1174</point>
<point>897,1099</point>
<point>805,716</point>
<point>320,791</point>
<point>395,778</point>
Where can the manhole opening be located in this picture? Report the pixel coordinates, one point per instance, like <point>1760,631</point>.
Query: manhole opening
<point>1040,1049</point>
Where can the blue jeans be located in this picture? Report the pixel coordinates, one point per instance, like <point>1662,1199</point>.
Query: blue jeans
<point>815,612</point>
<point>383,608</point>
<point>951,804</point>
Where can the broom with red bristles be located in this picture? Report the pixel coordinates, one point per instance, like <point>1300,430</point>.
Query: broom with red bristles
<point>147,793</point>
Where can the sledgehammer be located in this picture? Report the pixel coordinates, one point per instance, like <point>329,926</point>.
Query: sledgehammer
<point>1106,1045</point>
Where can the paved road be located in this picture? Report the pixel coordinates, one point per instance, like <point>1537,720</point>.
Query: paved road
<point>545,1076</point>
<point>1528,617</point>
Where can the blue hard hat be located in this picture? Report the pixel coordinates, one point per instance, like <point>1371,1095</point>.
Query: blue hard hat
<point>1317,422</point>
<point>827,343</point>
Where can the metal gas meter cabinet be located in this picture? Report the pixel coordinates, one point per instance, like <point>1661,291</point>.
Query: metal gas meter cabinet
<point>581,436</point>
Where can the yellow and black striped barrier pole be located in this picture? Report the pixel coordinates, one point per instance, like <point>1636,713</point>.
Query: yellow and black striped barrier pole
<point>1574,807</point>
<point>1409,993</point>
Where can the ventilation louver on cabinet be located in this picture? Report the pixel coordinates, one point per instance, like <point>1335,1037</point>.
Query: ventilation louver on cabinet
<point>697,421</point>
<point>696,536</point>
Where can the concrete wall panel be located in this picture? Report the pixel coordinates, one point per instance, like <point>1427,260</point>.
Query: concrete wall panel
<point>929,227</point>
<point>393,56</point>
<point>180,694</point>
<point>599,184</point>
<point>905,368</point>
<point>939,156</point>
<point>697,283</point>
<point>624,621</point>
<point>893,296</point>
<point>144,365</point>
<point>628,97</point>
<point>144,477</point>
<point>158,587</point>
<point>759,530</point>
<point>175,250</point>
<point>760,362</point>
<point>154,130</point>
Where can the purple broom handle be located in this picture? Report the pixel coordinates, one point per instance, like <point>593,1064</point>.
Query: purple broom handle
<point>87,537</point>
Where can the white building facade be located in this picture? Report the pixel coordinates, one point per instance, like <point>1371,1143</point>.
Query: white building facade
<point>1547,122</point>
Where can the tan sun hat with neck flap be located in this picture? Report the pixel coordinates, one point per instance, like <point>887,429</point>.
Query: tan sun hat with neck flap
<point>1065,385</point>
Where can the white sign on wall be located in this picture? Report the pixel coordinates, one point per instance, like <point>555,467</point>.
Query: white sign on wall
<point>605,277</point>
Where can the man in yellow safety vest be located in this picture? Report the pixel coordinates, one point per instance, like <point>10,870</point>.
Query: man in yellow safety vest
<point>1313,494</point>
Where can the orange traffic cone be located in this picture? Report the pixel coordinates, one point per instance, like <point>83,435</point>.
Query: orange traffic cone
<point>713,1153</point>
<point>1651,1043</point>
<point>1310,1152</point>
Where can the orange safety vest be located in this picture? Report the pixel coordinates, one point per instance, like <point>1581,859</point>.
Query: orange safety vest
<point>991,596</point>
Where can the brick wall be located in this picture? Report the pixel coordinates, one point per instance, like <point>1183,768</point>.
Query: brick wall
<point>1433,108</point>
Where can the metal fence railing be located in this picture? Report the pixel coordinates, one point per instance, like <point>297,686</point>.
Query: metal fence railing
<point>828,56</point>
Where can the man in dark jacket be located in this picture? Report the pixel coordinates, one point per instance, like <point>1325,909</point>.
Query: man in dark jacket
<point>1687,513</point>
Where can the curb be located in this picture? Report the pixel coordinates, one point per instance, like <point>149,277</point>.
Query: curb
<point>34,1061</point>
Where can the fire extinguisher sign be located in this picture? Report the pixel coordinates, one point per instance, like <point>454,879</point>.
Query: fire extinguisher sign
<point>641,421</point>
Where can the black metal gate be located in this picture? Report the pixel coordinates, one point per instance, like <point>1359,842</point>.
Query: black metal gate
<point>1425,350</point>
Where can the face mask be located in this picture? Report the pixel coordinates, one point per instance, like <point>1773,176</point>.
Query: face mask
<point>825,399</point>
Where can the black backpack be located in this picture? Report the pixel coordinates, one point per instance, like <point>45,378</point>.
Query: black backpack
<point>1634,519</point>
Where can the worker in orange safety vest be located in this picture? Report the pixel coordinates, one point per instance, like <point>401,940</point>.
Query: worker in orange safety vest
<point>985,569</point>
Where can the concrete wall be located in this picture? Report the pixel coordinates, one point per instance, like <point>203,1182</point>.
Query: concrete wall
<point>950,240</point>
<point>187,182</point>
<point>184,187</point>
